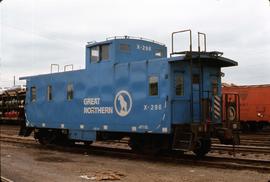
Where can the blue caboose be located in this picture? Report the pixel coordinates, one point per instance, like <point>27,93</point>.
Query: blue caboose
<point>130,88</point>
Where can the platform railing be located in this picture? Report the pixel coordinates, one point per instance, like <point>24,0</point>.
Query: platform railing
<point>67,66</point>
<point>58,67</point>
<point>190,41</point>
<point>55,65</point>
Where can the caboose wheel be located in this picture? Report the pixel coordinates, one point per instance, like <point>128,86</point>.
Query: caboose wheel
<point>202,147</point>
<point>45,137</point>
<point>45,140</point>
<point>146,145</point>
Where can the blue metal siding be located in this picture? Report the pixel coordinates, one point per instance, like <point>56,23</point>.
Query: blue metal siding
<point>93,84</point>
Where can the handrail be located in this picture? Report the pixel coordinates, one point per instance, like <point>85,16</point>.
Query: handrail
<point>201,86</point>
<point>68,65</point>
<point>199,41</point>
<point>53,65</point>
<point>190,39</point>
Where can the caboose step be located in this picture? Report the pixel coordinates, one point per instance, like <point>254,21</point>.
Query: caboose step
<point>182,140</point>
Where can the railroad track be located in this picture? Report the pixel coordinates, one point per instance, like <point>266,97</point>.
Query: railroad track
<point>241,149</point>
<point>4,179</point>
<point>172,157</point>
<point>258,139</point>
<point>249,142</point>
<point>9,129</point>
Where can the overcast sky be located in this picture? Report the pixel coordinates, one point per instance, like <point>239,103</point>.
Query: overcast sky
<point>36,33</point>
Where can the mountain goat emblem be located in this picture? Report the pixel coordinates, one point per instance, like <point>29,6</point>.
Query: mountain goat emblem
<point>122,103</point>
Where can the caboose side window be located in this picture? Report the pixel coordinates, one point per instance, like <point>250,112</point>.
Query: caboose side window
<point>179,84</point>
<point>95,54</point>
<point>153,85</point>
<point>99,53</point>
<point>104,52</point>
<point>69,91</point>
<point>49,93</point>
<point>33,94</point>
<point>159,53</point>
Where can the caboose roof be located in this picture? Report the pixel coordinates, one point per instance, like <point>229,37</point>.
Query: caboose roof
<point>212,58</point>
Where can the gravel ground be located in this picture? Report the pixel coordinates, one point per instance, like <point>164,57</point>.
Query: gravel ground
<point>20,163</point>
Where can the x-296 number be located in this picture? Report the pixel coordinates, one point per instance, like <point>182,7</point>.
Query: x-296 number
<point>152,107</point>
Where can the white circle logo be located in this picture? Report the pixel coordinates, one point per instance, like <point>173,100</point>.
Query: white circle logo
<point>122,103</point>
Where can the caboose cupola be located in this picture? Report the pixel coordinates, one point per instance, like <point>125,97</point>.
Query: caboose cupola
<point>123,50</point>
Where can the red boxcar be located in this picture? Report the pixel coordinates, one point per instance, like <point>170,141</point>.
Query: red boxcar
<point>254,104</point>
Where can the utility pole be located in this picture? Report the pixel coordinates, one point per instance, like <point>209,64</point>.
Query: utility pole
<point>14,81</point>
